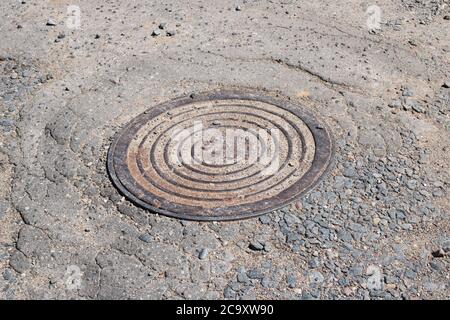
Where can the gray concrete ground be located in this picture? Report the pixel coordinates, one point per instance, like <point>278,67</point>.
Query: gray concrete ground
<point>377,227</point>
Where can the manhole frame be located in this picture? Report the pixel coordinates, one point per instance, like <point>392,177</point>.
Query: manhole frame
<point>319,129</point>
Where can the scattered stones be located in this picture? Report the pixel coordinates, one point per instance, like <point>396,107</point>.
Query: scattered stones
<point>243,278</point>
<point>255,274</point>
<point>417,108</point>
<point>446,246</point>
<point>383,202</point>
<point>7,275</point>
<point>264,219</point>
<point>436,265</point>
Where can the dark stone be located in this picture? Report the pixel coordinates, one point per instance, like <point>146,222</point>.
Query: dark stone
<point>145,237</point>
<point>255,274</point>
<point>291,281</point>
<point>256,246</point>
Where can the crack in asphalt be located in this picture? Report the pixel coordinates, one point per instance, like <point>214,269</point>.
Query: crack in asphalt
<point>326,81</point>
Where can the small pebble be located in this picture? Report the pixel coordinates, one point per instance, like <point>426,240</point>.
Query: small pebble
<point>242,277</point>
<point>51,22</point>
<point>438,253</point>
<point>7,275</point>
<point>291,281</point>
<point>156,32</point>
<point>264,219</point>
<point>436,265</point>
<point>203,253</point>
<point>376,221</point>
<point>145,237</point>
<point>256,246</point>
<point>406,92</point>
<point>396,104</point>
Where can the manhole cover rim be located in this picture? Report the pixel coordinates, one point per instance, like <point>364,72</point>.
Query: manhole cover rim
<point>319,129</point>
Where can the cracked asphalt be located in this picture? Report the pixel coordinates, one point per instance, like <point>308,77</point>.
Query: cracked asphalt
<point>376,227</point>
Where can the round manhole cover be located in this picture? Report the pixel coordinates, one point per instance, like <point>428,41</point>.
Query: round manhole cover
<point>219,156</point>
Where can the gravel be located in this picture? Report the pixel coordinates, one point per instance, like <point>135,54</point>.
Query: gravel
<point>384,202</point>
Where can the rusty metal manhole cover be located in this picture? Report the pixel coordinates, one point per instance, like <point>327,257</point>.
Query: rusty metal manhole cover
<point>219,156</point>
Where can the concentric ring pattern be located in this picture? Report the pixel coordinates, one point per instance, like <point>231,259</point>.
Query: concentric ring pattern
<point>219,156</point>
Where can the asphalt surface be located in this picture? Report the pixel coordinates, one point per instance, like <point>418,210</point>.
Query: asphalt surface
<point>376,227</point>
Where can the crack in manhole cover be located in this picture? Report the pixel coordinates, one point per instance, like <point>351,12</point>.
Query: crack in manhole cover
<point>220,156</point>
